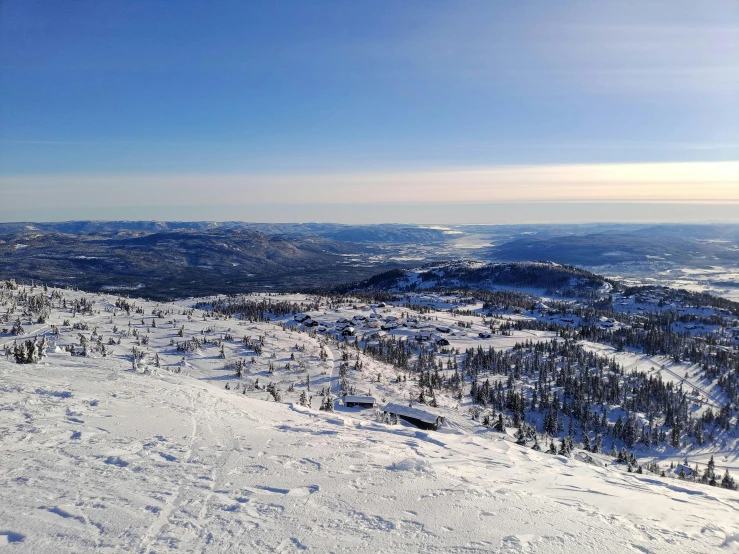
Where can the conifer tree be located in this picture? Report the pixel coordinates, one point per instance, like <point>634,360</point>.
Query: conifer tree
<point>17,328</point>
<point>728,481</point>
<point>499,426</point>
<point>521,436</point>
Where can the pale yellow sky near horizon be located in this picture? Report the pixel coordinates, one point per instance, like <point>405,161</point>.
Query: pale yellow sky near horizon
<point>691,182</point>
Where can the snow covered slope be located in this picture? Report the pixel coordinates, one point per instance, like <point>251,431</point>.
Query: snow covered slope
<point>99,458</point>
<point>534,277</point>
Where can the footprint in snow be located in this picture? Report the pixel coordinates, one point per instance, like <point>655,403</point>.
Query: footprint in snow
<point>299,491</point>
<point>7,537</point>
<point>62,513</point>
<point>116,461</point>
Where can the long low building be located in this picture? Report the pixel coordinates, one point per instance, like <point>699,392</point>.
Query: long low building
<point>421,418</point>
<point>351,401</point>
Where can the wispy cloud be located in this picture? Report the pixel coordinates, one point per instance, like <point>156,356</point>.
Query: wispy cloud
<point>643,48</point>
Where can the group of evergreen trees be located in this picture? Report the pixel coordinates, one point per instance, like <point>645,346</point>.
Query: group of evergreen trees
<point>29,351</point>
<point>250,309</point>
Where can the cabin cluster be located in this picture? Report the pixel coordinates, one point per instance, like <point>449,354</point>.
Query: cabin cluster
<point>376,326</point>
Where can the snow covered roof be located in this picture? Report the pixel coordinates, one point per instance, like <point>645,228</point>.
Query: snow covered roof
<point>360,399</point>
<point>424,415</point>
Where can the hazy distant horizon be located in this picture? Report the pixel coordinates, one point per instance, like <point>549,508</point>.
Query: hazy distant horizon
<point>473,213</point>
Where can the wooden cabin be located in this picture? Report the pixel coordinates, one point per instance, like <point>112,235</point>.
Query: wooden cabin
<point>422,418</point>
<point>359,401</point>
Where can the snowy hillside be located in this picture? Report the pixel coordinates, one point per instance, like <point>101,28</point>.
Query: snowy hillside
<point>536,277</point>
<point>139,426</point>
<point>97,457</point>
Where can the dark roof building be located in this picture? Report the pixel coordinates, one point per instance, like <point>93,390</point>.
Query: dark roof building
<point>421,418</point>
<point>351,401</point>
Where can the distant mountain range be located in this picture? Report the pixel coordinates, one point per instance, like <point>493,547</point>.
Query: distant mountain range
<point>176,263</point>
<point>165,260</point>
<point>692,245</point>
<point>389,233</point>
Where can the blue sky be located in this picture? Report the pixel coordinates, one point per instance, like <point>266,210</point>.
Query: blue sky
<point>243,95</point>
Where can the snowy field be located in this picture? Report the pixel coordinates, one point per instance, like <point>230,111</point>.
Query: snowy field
<point>101,458</point>
<point>101,453</point>
<point>717,280</point>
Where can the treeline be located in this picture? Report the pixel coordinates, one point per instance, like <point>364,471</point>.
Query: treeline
<point>543,275</point>
<point>263,309</point>
<point>555,278</point>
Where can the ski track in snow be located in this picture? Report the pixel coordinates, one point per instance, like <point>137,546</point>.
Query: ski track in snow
<point>118,461</point>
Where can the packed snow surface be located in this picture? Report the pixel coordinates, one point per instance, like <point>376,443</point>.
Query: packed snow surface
<point>100,458</point>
